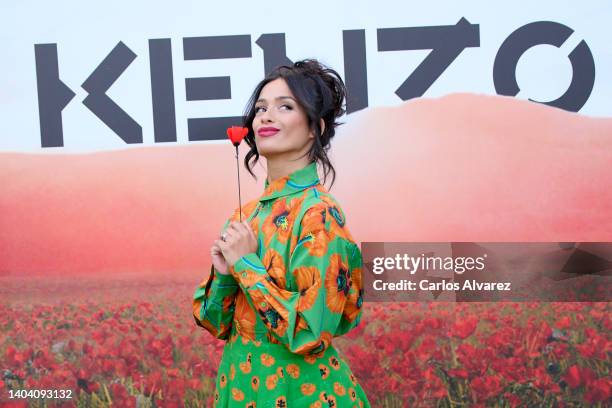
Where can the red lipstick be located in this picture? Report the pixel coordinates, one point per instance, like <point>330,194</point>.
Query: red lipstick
<point>267,131</point>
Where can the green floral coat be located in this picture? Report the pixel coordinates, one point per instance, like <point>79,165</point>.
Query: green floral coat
<point>280,307</point>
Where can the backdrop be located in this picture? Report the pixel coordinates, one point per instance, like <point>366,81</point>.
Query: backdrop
<point>465,121</point>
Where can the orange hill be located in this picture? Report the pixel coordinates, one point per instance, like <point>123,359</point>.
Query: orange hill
<point>462,167</point>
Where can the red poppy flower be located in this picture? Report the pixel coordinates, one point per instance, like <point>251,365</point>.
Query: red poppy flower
<point>236,134</point>
<point>464,328</point>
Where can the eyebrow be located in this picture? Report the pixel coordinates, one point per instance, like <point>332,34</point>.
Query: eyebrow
<point>277,98</point>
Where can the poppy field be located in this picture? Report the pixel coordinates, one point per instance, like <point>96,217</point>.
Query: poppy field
<point>132,341</point>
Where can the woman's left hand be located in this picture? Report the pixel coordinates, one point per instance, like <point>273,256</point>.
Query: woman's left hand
<point>239,241</point>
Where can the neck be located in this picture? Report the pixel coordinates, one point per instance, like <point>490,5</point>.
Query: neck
<point>285,163</point>
<point>281,168</point>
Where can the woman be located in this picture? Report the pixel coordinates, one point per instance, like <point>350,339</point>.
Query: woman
<point>287,279</point>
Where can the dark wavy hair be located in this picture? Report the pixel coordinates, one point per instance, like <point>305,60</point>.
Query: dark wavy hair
<point>320,91</point>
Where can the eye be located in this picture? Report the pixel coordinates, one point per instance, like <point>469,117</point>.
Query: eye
<point>289,106</point>
<point>257,108</point>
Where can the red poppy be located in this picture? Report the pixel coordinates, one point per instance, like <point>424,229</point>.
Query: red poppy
<point>598,391</point>
<point>236,134</point>
<point>464,328</point>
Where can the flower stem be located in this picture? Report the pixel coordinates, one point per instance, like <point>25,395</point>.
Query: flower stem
<point>239,200</point>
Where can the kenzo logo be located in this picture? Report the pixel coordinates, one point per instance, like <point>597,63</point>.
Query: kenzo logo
<point>445,42</point>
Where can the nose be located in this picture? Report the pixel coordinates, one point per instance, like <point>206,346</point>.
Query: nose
<point>266,117</point>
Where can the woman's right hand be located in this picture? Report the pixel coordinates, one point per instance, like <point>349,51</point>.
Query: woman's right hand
<point>218,259</point>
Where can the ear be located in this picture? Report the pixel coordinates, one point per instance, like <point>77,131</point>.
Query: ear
<point>322,125</point>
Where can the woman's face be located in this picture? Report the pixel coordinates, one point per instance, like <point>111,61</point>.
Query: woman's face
<point>276,108</point>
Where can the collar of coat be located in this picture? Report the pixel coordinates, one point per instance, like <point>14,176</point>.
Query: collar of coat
<point>293,183</point>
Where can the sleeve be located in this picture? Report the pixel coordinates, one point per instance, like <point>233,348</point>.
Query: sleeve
<point>326,265</point>
<point>214,302</point>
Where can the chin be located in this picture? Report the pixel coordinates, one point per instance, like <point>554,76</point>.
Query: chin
<point>269,151</point>
<point>277,154</point>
